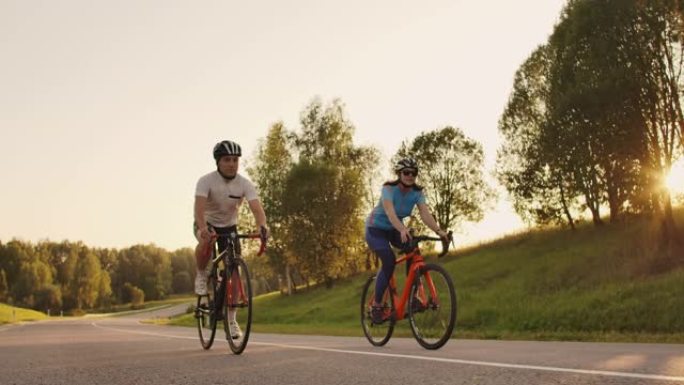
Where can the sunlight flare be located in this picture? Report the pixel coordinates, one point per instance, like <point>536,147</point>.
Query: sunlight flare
<point>675,179</point>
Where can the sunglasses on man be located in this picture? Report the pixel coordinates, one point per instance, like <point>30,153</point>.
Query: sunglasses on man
<point>409,172</point>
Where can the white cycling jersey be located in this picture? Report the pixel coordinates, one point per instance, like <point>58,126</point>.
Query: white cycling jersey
<point>224,197</point>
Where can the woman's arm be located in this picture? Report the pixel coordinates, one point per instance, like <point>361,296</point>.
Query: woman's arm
<point>394,219</point>
<point>429,220</point>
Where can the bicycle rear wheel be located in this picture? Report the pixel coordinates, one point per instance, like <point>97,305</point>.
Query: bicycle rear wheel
<point>205,315</point>
<point>238,299</point>
<point>432,313</point>
<point>377,334</point>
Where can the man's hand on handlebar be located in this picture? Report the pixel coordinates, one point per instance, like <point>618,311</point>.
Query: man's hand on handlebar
<point>264,233</point>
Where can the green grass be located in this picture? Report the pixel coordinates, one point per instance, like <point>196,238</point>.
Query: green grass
<point>11,314</point>
<point>610,283</point>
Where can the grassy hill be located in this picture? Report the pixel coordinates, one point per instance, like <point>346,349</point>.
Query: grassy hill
<point>10,314</point>
<point>607,283</point>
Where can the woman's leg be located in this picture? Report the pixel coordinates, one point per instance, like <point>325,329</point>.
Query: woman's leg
<point>379,242</point>
<point>385,273</point>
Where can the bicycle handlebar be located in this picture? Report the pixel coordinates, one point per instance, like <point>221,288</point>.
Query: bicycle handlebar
<point>262,235</point>
<point>445,242</point>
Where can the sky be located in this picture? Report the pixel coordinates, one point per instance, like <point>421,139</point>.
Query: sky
<point>109,110</point>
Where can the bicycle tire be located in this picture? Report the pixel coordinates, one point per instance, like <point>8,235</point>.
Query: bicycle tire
<point>377,334</point>
<point>205,315</point>
<point>241,301</point>
<point>432,323</point>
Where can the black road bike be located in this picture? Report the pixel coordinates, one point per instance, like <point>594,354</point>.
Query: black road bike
<point>228,289</point>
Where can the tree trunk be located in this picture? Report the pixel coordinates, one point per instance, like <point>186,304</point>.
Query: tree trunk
<point>571,222</point>
<point>288,280</point>
<point>669,227</point>
<point>614,205</point>
<point>595,210</point>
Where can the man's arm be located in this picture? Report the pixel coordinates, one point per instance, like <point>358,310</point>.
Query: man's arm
<point>200,206</point>
<point>258,212</point>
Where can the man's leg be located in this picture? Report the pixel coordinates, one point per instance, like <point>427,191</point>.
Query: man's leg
<point>234,328</point>
<point>202,255</point>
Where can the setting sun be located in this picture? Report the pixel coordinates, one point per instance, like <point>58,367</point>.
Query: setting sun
<point>675,180</point>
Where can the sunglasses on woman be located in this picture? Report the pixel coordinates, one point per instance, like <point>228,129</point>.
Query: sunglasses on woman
<point>409,172</point>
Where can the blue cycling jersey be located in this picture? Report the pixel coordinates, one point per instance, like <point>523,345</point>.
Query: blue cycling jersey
<point>404,200</point>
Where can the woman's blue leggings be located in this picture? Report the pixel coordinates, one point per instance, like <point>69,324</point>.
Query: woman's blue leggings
<point>381,242</point>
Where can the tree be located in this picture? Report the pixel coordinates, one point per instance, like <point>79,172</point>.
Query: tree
<point>323,220</point>
<point>657,48</point>
<point>591,129</point>
<point>541,193</point>
<point>134,295</point>
<point>13,255</point>
<point>272,165</point>
<point>451,169</point>
<point>321,203</point>
<point>615,101</point>
<point>48,297</point>
<point>104,290</point>
<point>4,288</point>
<point>182,282</point>
<point>85,285</point>
<point>34,274</point>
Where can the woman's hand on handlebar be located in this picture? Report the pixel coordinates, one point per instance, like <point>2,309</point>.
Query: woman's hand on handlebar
<point>405,235</point>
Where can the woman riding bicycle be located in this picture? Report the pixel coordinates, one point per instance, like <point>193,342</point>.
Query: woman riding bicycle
<point>384,226</point>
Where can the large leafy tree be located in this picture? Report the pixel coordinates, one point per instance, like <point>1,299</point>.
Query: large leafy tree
<point>323,199</point>
<point>323,220</point>
<point>657,50</point>
<point>593,104</point>
<point>273,162</point>
<point>615,103</point>
<point>85,285</point>
<point>540,190</point>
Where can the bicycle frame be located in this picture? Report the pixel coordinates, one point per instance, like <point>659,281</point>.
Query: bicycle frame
<point>234,292</point>
<point>417,262</point>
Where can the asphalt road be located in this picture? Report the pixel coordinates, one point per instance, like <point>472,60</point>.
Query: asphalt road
<point>121,350</point>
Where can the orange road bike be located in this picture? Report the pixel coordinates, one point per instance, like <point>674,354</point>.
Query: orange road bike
<point>228,288</point>
<point>428,300</point>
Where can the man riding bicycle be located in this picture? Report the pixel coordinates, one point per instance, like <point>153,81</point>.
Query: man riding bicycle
<point>218,196</point>
<point>384,226</point>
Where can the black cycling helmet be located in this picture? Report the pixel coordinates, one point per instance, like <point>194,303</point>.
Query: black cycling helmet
<point>226,147</point>
<point>406,163</point>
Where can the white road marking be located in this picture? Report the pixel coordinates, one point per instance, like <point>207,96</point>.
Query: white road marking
<point>435,359</point>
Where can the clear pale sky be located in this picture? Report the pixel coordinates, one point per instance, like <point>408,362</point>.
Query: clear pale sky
<point>109,109</point>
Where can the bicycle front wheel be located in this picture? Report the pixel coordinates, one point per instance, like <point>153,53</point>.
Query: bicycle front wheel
<point>205,315</point>
<point>237,308</point>
<point>377,333</point>
<point>432,307</point>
